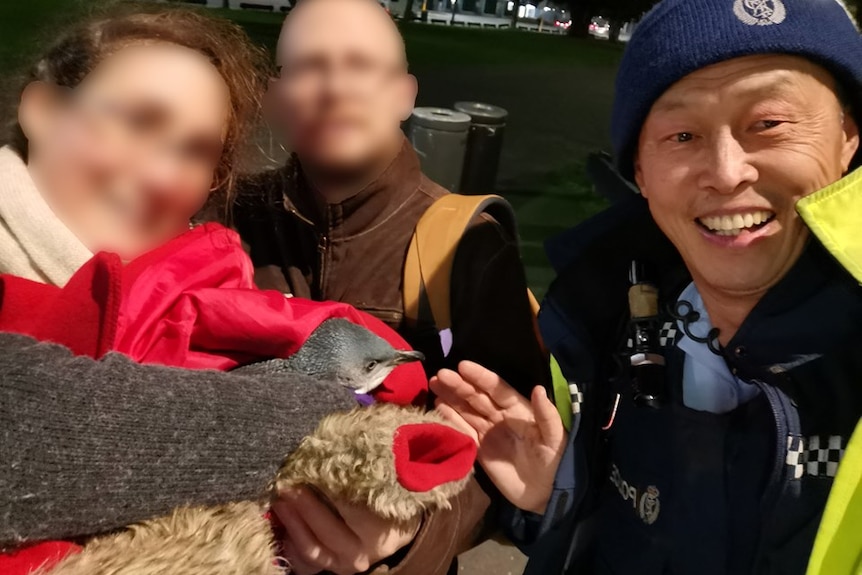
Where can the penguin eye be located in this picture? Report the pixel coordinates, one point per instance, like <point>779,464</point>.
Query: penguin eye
<point>370,366</point>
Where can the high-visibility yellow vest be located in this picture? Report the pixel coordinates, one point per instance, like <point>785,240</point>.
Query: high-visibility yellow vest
<point>838,547</point>
<point>834,215</point>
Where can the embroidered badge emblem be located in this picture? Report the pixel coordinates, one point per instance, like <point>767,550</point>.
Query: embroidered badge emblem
<point>645,503</point>
<point>760,12</point>
<point>649,505</point>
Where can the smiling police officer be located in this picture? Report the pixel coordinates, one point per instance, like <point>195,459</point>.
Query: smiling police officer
<point>711,341</point>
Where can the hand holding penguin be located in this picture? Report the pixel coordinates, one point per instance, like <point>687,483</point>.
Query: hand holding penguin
<point>369,474</point>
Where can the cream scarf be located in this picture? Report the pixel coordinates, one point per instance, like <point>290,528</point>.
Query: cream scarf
<point>34,243</point>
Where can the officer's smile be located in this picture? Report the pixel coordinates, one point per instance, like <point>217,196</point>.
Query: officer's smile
<point>733,224</point>
<point>738,229</point>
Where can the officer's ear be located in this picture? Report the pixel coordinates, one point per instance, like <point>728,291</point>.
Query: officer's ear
<point>851,140</point>
<point>639,177</point>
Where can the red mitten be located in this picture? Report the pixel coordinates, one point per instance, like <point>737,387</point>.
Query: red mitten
<point>431,454</point>
<point>39,556</point>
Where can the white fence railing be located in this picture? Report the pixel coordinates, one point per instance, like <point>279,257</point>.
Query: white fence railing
<point>476,21</point>
<point>437,18</point>
<point>267,5</point>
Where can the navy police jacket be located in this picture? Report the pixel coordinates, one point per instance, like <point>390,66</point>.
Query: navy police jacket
<point>671,490</point>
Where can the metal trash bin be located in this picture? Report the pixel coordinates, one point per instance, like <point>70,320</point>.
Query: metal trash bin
<point>484,145</point>
<point>439,136</point>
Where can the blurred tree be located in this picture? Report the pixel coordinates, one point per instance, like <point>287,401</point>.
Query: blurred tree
<point>618,12</point>
<point>855,7</point>
<point>515,11</point>
<point>621,11</point>
<point>582,12</point>
<point>408,11</point>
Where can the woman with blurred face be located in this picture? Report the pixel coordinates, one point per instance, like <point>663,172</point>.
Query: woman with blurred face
<point>121,139</point>
<point>127,131</point>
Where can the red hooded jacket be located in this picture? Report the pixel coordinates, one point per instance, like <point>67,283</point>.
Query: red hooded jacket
<point>190,303</point>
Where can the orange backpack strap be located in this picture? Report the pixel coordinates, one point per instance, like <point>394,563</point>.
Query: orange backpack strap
<point>428,267</point>
<point>428,273</point>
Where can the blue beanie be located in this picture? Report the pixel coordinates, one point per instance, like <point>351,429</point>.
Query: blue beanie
<point>678,37</point>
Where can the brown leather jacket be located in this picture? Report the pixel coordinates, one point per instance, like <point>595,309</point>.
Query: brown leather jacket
<point>355,253</point>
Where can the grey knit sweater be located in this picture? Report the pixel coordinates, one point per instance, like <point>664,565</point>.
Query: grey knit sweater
<point>88,446</point>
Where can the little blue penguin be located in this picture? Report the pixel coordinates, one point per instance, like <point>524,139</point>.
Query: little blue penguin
<point>344,352</point>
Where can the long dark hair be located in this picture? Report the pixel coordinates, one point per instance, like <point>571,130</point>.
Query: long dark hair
<point>244,67</point>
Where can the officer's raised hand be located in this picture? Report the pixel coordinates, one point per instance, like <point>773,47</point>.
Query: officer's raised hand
<point>520,442</point>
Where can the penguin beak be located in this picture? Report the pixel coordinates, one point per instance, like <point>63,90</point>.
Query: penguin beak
<point>402,357</point>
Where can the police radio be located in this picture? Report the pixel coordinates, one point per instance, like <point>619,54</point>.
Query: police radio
<point>646,359</point>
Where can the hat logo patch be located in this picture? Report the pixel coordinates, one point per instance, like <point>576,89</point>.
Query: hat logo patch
<point>760,12</point>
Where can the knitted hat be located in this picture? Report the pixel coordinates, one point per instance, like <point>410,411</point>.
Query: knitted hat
<point>678,37</point>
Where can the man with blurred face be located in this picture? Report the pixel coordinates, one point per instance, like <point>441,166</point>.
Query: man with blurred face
<point>335,223</point>
<point>343,93</point>
<point>710,328</point>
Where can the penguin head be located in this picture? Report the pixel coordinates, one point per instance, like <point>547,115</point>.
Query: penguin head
<point>349,354</point>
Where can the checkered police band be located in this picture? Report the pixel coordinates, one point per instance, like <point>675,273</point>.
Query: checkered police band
<point>817,456</point>
<point>668,335</point>
<point>577,397</point>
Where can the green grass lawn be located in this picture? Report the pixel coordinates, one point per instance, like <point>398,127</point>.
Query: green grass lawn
<point>23,26</point>
<point>558,92</point>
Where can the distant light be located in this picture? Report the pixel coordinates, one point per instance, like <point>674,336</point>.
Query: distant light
<point>547,8</point>
<point>510,6</point>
